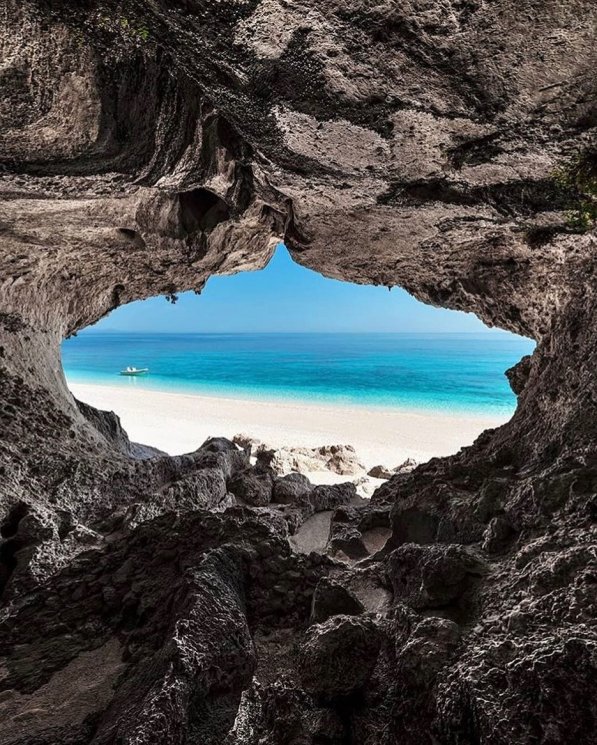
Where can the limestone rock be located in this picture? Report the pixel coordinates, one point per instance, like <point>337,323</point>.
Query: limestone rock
<point>365,486</point>
<point>318,499</point>
<point>246,442</point>
<point>108,424</point>
<point>351,527</point>
<point>380,472</point>
<point>341,459</point>
<point>285,460</point>
<point>406,466</point>
<point>429,648</point>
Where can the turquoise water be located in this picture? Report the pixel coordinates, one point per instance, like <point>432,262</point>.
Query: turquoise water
<point>457,372</point>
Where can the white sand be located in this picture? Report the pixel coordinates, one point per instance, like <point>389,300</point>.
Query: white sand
<point>179,423</point>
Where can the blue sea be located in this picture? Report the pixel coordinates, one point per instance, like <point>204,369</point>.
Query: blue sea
<point>449,372</point>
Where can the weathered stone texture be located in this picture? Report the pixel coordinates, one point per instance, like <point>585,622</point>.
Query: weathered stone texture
<point>446,147</point>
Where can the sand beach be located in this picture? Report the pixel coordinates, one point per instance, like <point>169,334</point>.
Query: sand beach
<point>179,423</point>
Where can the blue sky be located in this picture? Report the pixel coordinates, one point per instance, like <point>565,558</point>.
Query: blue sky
<point>288,297</point>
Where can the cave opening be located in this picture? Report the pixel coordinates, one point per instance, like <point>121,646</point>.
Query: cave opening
<point>287,357</point>
<point>201,210</point>
<point>215,598</point>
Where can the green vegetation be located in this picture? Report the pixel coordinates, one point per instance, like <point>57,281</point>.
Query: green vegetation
<point>141,33</point>
<point>136,34</point>
<point>577,182</point>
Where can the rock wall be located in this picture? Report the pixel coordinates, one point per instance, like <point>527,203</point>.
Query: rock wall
<point>447,147</point>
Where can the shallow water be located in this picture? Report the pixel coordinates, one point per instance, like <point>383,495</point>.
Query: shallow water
<point>456,372</point>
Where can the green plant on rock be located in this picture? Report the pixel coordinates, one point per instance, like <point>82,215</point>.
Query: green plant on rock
<point>140,32</point>
<point>577,182</point>
<point>137,34</point>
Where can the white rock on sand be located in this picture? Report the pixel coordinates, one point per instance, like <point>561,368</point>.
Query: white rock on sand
<point>382,472</point>
<point>326,464</point>
<point>340,459</point>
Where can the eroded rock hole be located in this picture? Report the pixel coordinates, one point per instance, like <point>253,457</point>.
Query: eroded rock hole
<point>11,543</point>
<point>314,410</point>
<point>132,237</point>
<point>201,210</point>
<point>199,585</point>
<point>10,525</point>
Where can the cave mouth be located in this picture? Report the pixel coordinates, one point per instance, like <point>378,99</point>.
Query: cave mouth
<point>293,359</point>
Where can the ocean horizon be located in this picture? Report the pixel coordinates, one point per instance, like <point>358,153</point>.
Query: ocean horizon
<point>450,372</point>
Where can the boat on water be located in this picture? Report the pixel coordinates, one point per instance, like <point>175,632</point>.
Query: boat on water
<point>135,371</point>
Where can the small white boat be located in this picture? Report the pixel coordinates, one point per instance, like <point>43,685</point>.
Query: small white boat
<point>135,371</point>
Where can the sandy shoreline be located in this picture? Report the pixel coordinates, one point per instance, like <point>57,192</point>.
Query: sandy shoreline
<point>179,423</point>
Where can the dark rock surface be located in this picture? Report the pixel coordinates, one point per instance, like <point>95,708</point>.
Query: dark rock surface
<point>351,523</point>
<point>330,496</point>
<point>290,488</point>
<point>446,147</point>
<point>338,657</point>
<point>332,599</point>
<point>253,486</point>
<point>302,500</point>
<point>108,424</point>
<point>435,577</point>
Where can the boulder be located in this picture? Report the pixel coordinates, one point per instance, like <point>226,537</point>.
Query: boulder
<point>351,529</point>
<point>321,498</point>
<point>200,490</point>
<point>406,466</point>
<point>204,489</point>
<point>365,486</point>
<point>341,459</point>
<point>288,489</point>
<point>434,576</point>
<point>330,496</point>
<point>218,452</point>
<point>380,472</point>
<point>428,649</point>
<point>287,460</point>
<point>338,657</point>
<point>332,599</point>
<point>347,539</point>
<point>253,486</point>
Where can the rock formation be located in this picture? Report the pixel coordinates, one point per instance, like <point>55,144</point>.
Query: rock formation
<point>446,147</point>
<point>382,472</point>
